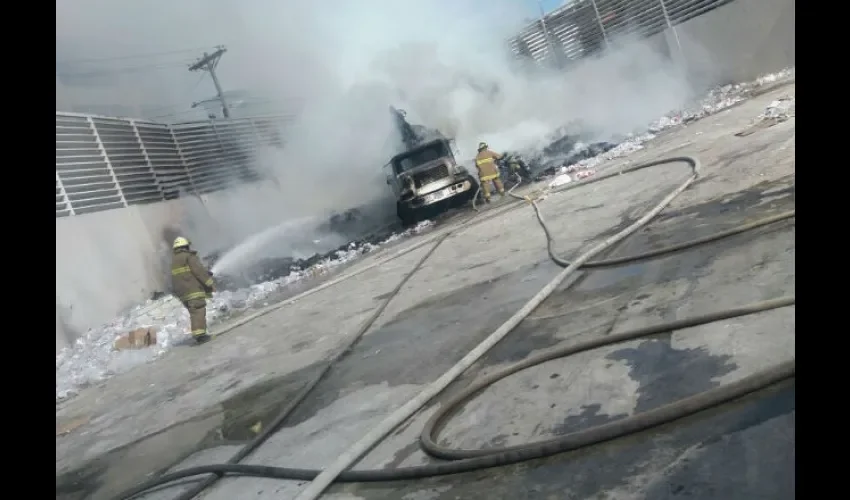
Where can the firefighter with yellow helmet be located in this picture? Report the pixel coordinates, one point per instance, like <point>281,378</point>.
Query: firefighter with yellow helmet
<point>192,284</point>
<point>488,171</point>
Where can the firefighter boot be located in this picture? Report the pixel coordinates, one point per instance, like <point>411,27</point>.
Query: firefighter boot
<point>198,319</point>
<point>485,191</point>
<point>500,188</point>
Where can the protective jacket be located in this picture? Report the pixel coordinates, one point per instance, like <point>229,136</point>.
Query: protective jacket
<point>485,161</point>
<point>189,279</point>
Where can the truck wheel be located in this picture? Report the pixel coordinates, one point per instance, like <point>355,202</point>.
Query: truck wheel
<point>406,215</point>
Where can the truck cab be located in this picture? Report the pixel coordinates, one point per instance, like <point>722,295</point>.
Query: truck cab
<point>427,180</point>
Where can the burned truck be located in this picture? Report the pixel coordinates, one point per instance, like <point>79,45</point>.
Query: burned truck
<point>426,178</point>
<point>427,181</point>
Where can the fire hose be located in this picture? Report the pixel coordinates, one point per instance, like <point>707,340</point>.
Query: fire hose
<point>469,460</point>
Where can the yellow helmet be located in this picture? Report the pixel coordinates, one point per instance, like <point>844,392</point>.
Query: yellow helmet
<point>482,146</point>
<point>180,242</point>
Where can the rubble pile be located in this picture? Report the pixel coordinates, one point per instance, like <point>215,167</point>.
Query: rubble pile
<point>720,98</point>
<point>716,100</point>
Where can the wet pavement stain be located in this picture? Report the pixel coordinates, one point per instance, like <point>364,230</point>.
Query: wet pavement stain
<point>234,421</point>
<point>256,407</point>
<point>401,455</point>
<point>607,278</point>
<point>79,483</point>
<point>520,344</point>
<point>781,192</point>
<point>754,455</point>
<point>666,375</point>
<point>121,468</point>
<point>589,417</point>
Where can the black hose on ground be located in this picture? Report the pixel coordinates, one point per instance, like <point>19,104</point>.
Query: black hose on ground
<point>470,460</point>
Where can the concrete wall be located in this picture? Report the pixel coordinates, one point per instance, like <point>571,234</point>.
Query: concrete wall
<point>736,42</point>
<point>108,261</point>
<point>62,336</point>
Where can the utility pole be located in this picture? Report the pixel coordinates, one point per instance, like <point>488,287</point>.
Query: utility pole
<point>208,63</point>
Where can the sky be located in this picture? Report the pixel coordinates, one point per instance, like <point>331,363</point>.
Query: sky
<point>550,5</point>
<point>109,39</point>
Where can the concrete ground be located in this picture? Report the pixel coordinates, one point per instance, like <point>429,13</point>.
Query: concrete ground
<point>211,397</point>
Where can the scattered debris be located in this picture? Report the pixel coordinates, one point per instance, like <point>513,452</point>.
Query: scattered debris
<point>776,112</point>
<point>782,108</point>
<point>719,99</point>
<point>139,338</point>
<point>785,74</point>
<point>560,180</point>
<point>571,173</point>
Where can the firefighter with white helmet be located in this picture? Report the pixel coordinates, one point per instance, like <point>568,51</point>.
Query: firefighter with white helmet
<point>192,284</point>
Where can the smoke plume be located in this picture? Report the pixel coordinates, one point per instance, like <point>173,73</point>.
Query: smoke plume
<point>339,64</point>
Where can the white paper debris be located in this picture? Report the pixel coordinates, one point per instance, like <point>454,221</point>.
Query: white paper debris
<point>780,109</point>
<point>560,180</point>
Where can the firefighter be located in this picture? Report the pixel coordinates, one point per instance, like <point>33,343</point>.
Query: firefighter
<point>485,162</point>
<point>192,284</point>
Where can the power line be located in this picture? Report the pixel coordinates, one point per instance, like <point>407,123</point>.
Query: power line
<point>203,75</point>
<point>172,106</point>
<point>134,56</point>
<point>124,70</point>
<point>175,113</point>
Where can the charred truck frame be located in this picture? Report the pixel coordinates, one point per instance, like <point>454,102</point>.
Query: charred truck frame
<point>427,180</point>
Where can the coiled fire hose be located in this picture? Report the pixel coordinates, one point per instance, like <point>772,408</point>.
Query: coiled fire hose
<point>470,460</point>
